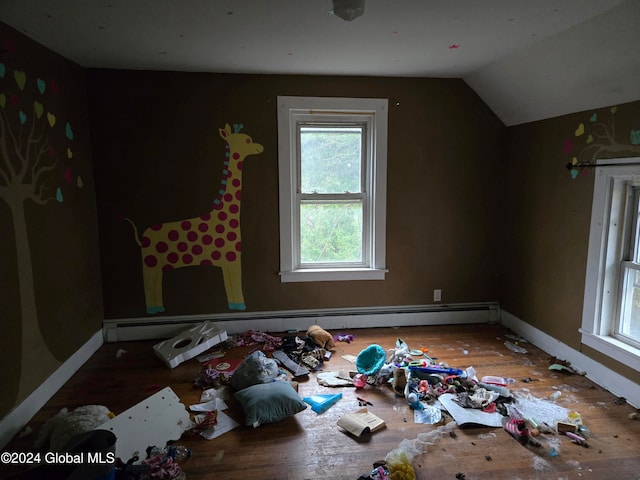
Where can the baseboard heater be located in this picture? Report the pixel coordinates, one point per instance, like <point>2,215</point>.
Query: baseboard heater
<point>150,328</point>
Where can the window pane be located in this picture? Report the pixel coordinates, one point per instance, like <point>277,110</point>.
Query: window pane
<point>331,159</point>
<point>330,233</point>
<point>630,316</point>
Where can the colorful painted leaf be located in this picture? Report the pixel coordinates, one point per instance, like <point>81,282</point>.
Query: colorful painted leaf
<point>38,109</point>
<point>21,78</point>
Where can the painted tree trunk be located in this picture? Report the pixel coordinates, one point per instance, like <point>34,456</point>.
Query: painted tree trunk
<point>37,361</point>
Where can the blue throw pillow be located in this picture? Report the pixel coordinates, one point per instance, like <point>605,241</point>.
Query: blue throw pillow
<point>269,402</point>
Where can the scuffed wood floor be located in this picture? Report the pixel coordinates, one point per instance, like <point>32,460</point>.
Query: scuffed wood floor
<point>311,446</point>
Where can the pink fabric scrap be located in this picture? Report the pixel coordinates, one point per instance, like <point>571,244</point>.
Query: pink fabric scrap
<point>254,337</point>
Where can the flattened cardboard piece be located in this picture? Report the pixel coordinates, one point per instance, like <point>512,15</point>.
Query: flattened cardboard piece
<point>469,417</point>
<point>152,422</point>
<point>189,344</point>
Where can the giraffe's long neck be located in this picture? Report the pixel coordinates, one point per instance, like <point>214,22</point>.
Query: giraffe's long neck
<point>230,190</point>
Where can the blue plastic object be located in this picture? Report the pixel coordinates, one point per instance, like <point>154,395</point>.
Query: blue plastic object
<point>322,402</point>
<point>436,369</point>
<point>370,360</point>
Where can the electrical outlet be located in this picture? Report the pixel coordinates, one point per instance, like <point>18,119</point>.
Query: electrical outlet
<point>437,295</point>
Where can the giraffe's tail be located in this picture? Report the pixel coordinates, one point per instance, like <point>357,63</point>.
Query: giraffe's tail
<point>135,230</point>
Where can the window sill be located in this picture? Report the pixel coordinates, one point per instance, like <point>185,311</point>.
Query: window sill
<point>330,275</point>
<point>613,348</point>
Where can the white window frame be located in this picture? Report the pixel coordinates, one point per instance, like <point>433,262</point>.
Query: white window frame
<point>291,111</point>
<point>606,247</point>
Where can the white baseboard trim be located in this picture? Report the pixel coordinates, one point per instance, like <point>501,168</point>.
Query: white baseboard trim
<point>150,328</point>
<point>20,416</point>
<point>598,373</point>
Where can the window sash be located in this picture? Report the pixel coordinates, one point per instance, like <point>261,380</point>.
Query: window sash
<point>324,125</point>
<point>628,314</point>
<point>356,200</point>
<point>329,120</point>
<point>363,198</point>
<point>634,220</point>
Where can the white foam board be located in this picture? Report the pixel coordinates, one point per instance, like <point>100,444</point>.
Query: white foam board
<point>189,344</point>
<point>152,422</point>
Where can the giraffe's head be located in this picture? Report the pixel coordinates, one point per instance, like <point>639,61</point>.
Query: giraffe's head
<point>239,142</point>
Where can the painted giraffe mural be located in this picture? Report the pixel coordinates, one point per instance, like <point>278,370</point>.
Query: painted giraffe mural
<point>212,239</point>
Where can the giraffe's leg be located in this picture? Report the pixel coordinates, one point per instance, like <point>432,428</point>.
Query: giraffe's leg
<point>232,274</point>
<point>153,289</point>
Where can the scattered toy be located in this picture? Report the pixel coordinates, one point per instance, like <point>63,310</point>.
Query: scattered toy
<point>341,337</point>
<point>577,439</point>
<point>322,338</point>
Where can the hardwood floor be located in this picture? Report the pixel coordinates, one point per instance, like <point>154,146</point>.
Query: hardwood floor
<point>311,446</point>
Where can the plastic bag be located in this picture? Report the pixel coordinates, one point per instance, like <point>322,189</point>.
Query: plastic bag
<point>399,460</point>
<point>255,369</point>
<point>399,465</point>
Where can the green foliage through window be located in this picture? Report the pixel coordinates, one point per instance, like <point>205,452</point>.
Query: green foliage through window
<point>330,172</point>
<point>331,159</point>
<point>331,232</point>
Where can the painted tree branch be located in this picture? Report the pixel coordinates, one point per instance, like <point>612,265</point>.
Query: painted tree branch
<point>612,148</point>
<point>4,128</point>
<point>608,143</point>
<point>25,169</point>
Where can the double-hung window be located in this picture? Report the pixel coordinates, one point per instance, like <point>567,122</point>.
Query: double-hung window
<point>332,171</point>
<point>611,314</point>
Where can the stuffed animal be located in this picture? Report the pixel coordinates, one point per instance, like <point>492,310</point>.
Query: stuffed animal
<point>321,337</point>
<point>56,433</point>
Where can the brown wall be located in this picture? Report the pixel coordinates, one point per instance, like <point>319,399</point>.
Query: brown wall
<point>158,157</point>
<point>547,216</point>
<point>50,292</point>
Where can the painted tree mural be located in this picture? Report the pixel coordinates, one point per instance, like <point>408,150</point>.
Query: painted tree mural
<point>596,139</point>
<point>36,166</point>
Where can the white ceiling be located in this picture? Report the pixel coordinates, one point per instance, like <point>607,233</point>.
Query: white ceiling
<point>528,59</point>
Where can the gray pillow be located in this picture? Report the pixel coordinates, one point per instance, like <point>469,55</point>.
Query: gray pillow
<point>269,402</point>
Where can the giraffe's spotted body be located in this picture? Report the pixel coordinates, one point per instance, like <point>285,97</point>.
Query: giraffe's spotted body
<point>212,239</point>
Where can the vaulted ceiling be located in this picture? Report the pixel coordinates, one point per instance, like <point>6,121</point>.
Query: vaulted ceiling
<point>529,60</point>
